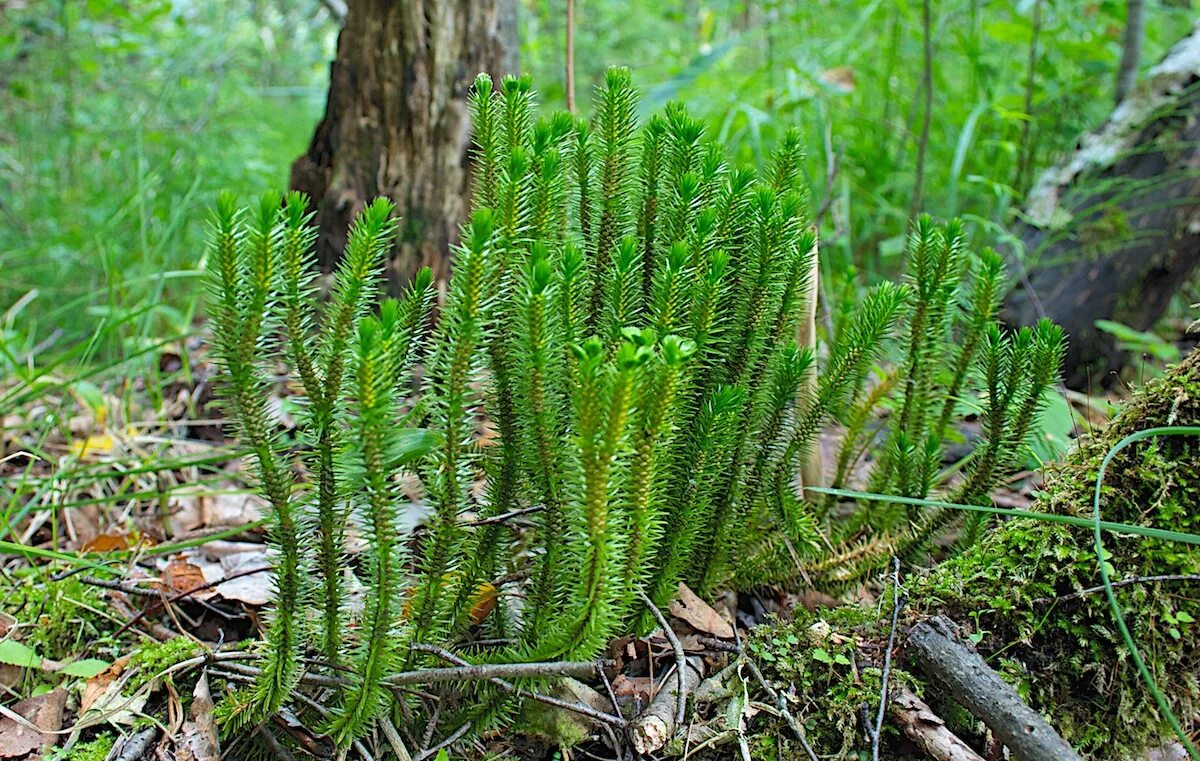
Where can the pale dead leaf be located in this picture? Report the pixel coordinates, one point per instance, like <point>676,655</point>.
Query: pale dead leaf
<point>198,738</point>
<point>99,684</point>
<point>841,77</point>
<point>102,696</point>
<point>699,615</point>
<point>203,509</point>
<point>252,589</point>
<point>44,712</point>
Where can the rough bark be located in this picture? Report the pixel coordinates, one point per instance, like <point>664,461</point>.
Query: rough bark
<point>1113,230</point>
<point>927,730</point>
<point>979,689</point>
<point>396,122</point>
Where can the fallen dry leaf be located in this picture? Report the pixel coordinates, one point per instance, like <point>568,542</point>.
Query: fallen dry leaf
<point>699,615</point>
<point>44,712</point>
<point>183,576</point>
<point>99,684</point>
<point>252,589</point>
<point>105,543</point>
<point>841,77</point>
<point>203,509</point>
<point>198,739</point>
<point>636,686</point>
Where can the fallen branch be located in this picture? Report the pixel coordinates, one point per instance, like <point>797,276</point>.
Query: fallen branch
<point>927,730</point>
<point>677,648</point>
<point>981,691</point>
<point>657,724</point>
<point>579,708</point>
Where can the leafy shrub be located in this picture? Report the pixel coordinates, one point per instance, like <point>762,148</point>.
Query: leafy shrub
<point>623,311</point>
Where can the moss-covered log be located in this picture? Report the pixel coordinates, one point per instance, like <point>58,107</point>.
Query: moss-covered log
<point>1028,596</point>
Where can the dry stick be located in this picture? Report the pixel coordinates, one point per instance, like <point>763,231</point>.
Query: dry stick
<point>897,604</point>
<point>181,595</point>
<point>1131,49</point>
<point>656,725</point>
<point>680,658</point>
<point>571,56</point>
<point>276,746</point>
<point>453,738</point>
<point>394,739</point>
<point>927,730</point>
<point>324,712</point>
<point>464,673</point>
<point>781,704</point>
<point>505,516</point>
<point>1125,583</point>
<point>979,689</point>
<point>136,746</point>
<point>927,85</point>
<point>579,708</point>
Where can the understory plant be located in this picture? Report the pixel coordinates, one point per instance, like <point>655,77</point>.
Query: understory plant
<point>611,400</point>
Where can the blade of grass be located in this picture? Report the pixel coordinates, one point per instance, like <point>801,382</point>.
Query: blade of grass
<point>1069,520</point>
<point>1163,706</point>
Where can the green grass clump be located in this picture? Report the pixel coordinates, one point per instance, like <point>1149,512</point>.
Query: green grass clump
<point>622,316</point>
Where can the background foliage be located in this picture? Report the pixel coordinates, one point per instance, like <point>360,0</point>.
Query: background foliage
<point>132,114</point>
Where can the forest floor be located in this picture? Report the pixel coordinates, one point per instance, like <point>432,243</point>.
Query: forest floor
<point>134,551</point>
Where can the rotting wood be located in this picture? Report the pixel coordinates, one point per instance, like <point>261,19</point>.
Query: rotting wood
<point>926,729</point>
<point>1113,230</point>
<point>656,726</point>
<point>981,691</point>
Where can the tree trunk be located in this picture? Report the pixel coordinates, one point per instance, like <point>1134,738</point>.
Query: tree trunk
<point>396,122</point>
<point>1113,230</point>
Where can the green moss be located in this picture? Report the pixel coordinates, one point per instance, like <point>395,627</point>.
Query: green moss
<point>152,659</point>
<point>1065,655</point>
<point>58,618</point>
<point>816,659</point>
<point>96,749</point>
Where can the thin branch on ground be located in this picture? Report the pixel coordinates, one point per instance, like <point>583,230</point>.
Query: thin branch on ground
<point>781,705</point>
<point>579,708</point>
<point>1124,583</point>
<point>454,737</point>
<point>680,657</point>
<point>167,601</point>
<point>505,517</point>
<point>897,603</point>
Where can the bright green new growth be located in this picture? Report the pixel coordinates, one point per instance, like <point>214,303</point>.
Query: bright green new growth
<point>615,369</point>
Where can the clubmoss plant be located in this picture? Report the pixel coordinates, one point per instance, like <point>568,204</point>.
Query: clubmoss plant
<point>616,359</point>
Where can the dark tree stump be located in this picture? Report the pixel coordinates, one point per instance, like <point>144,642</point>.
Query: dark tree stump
<point>396,122</point>
<point>1113,230</point>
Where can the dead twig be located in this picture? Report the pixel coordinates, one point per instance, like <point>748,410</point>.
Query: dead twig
<point>927,730</point>
<point>454,737</point>
<point>579,708</point>
<point>680,658</point>
<point>979,689</point>
<point>1124,583</point>
<point>897,604</point>
<point>505,517</point>
<point>181,595</point>
<point>781,706</point>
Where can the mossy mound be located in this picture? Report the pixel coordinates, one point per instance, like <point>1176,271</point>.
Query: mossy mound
<point>1065,655</point>
<point>1026,595</point>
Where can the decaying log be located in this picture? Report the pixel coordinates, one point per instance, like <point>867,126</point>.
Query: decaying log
<point>979,689</point>
<point>655,727</point>
<point>1113,229</point>
<point>926,729</point>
